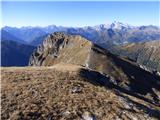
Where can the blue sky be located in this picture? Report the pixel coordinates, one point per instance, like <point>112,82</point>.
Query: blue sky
<point>79,14</point>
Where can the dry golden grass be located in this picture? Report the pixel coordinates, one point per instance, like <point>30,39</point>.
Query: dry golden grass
<point>62,93</point>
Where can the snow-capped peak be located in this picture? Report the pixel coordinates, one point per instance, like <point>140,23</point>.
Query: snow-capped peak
<point>114,25</point>
<point>118,25</point>
<point>101,27</point>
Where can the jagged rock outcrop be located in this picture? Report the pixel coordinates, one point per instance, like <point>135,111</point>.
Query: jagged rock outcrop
<point>59,47</point>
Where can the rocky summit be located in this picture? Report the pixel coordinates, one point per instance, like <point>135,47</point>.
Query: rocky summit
<point>59,47</point>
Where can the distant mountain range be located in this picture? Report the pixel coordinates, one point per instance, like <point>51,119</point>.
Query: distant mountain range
<point>104,35</point>
<point>9,36</point>
<point>114,33</point>
<point>15,54</point>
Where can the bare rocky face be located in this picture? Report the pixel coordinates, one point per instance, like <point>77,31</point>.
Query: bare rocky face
<point>59,47</point>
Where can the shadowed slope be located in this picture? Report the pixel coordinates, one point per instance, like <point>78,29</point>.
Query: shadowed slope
<point>15,54</point>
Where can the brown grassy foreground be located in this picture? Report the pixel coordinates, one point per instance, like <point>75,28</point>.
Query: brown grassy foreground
<point>67,92</point>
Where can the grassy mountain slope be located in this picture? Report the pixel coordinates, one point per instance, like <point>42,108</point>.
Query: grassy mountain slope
<point>67,92</point>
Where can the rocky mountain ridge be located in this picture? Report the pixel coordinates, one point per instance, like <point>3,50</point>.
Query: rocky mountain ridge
<point>61,48</point>
<point>146,54</point>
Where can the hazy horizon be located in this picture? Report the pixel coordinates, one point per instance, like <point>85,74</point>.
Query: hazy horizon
<point>76,26</point>
<point>78,14</point>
